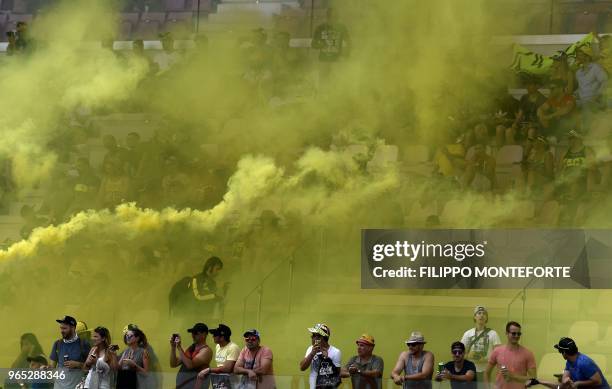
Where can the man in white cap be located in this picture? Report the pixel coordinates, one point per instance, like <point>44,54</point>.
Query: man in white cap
<point>480,341</point>
<point>323,359</point>
<point>416,363</point>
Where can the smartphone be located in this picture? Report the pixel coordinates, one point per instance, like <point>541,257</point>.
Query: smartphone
<point>113,347</point>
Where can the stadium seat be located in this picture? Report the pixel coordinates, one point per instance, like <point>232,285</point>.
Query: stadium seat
<point>175,5</point>
<point>150,25</point>
<point>415,160</point>
<point>20,6</point>
<point>601,360</point>
<point>384,156</point>
<point>584,332</point>
<point>127,24</point>
<point>550,364</point>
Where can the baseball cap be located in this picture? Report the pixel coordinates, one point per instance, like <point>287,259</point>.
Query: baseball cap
<point>321,329</point>
<point>251,332</point>
<point>366,339</point>
<point>38,359</point>
<point>480,308</point>
<point>71,321</point>
<point>221,330</point>
<point>457,346</point>
<point>198,328</point>
<point>566,344</point>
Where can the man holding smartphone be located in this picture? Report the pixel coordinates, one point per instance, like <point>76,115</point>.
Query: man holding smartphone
<point>69,354</point>
<point>323,359</point>
<point>192,360</point>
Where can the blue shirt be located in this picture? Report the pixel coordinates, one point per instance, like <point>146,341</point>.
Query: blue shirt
<point>74,351</point>
<point>583,369</point>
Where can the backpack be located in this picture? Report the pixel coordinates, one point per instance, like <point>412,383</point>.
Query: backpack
<point>178,293</point>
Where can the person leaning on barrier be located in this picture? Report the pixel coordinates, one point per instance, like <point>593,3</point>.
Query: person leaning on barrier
<point>192,360</point>
<point>226,355</point>
<point>255,363</point>
<point>460,372</point>
<point>580,370</point>
<point>416,363</point>
<point>515,363</point>
<point>364,369</point>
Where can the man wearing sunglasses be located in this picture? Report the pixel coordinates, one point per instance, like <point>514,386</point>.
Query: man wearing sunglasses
<point>255,363</point>
<point>515,363</point>
<point>460,372</point>
<point>416,363</point>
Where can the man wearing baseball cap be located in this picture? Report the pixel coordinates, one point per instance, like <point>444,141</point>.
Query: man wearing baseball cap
<point>580,370</point>
<point>255,362</point>
<point>416,363</point>
<point>460,372</point>
<point>191,361</point>
<point>365,368</point>
<point>323,359</point>
<point>226,355</point>
<point>480,341</point>
<point>69,354</point>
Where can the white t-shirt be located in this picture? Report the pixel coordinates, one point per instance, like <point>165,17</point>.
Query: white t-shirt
<point>333,353</point>
<point>481,349</point>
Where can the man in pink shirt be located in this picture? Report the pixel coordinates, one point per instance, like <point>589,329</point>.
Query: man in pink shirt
<point>255,363</point>
<point>515,364</point>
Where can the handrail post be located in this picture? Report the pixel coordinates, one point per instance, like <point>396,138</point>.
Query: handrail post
<point>259,299</point>
<point>291,263</point>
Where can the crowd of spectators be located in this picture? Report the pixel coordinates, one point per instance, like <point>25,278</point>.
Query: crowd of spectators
<point>545,133</point>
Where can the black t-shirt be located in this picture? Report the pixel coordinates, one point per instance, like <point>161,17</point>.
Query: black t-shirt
<point>467,365</point>
<point>328,375</point>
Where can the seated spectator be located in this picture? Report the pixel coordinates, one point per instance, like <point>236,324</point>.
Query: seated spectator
<point>556,114</point>
<point>175,184</point>
<point>133,152</point>
<point>576,168</point>
<point>480,170</point>
<point>11,48</point>
<point>31,220</point>
<point>115,186</point>
<point>113,151</point>
<point>540,169</point>
<point>560,71</point>
<point>23,43</point>
<point>531,101</point>
<point>84,187</point>
<point>167,57</point>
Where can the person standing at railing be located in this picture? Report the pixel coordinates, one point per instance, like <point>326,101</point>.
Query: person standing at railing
<point>365,368</point>
<point>324,360</point>
<point>192,360</point>
<point>516,364</point>
<point>226,355</point>
<point>480,341</point>
<point>255,363</point>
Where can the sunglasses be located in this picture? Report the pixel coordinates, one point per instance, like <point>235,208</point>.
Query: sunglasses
<point>250,338</point>
<point>414,344</point>
<point>457,352</point>
<point>516,333</point>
